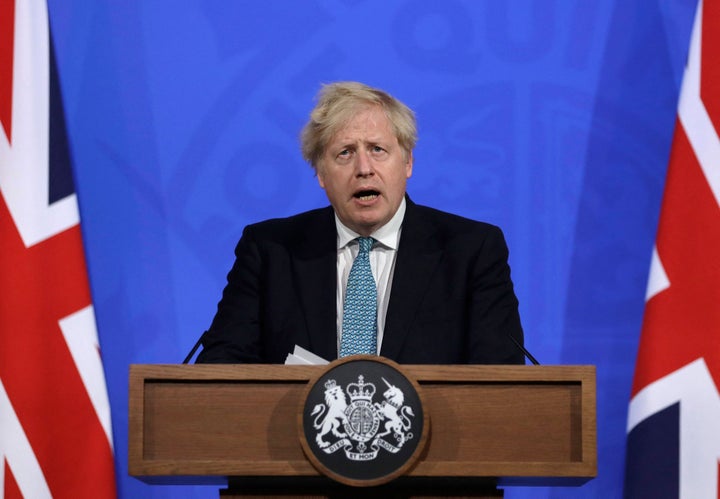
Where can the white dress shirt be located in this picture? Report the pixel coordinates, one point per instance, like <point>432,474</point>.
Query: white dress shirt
<point>382,263</point>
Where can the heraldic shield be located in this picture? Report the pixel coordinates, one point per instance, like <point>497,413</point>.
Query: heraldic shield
<point>362,421</point>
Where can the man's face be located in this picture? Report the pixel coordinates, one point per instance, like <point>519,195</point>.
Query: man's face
<point>364,171</point>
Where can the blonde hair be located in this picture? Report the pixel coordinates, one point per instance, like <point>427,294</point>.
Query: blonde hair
<point>338,102</point>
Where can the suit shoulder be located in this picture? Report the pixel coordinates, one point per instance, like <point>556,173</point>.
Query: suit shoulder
<point>450,222</point>
<point>292,227</point>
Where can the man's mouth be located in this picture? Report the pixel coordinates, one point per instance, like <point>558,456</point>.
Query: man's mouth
<point>366,195</point>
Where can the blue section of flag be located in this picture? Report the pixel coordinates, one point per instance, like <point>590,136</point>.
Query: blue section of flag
<point>652,467</point>
<point>61,183</point>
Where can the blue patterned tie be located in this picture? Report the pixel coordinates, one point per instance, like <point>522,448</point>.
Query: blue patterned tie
<point>359,326</point>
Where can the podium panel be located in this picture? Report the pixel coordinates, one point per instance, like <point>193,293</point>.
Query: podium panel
<point>527,425</point>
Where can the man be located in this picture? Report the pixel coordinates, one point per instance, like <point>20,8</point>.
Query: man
<point>440,289</point>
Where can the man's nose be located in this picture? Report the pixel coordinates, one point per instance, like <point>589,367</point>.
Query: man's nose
<point>364,166</point>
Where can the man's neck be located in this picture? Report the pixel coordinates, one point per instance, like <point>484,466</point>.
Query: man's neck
<point>387,234</point>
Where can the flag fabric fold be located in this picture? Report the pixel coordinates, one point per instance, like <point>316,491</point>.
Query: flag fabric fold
<point>673,443</point>
<point>55,433</point>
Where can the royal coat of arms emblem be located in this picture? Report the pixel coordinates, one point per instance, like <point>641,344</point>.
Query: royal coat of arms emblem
<point>363,418</point>
<point>362,427</point>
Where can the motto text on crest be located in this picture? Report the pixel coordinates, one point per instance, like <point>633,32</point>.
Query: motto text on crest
<point>362,427</point>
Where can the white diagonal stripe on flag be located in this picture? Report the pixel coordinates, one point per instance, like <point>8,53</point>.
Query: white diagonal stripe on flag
<point>694,116</point>
<point>81,337</point>
<point>14,447</point>
<point>24,165</point>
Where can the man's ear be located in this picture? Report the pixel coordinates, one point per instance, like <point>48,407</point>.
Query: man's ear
<point>320,176</point>
<point>409,165</point>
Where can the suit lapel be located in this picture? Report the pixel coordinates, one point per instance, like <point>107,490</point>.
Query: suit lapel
<point>418,254</point>
<point>315,267</point>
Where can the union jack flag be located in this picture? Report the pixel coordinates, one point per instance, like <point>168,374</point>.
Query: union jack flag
<point>55,433</point>
<point>673,425</point>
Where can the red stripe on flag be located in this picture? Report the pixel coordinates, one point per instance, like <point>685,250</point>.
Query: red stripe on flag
<point>681,322</point>
<point>41,285</point>
<point>710,68</point>
<point>7,48</point>
<point>11,488</point>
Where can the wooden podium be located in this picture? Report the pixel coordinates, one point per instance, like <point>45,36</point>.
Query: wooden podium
<point>238,425</point>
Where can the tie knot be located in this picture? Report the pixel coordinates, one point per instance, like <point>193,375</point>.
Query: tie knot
<point>365,244</point>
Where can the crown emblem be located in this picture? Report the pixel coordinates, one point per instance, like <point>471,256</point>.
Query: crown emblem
<point>361,390</point>
<point>330,384</point>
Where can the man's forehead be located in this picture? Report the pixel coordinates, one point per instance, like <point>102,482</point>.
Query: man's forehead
<point>371,124</point>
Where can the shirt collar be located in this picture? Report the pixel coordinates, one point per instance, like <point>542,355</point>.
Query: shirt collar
<point>388,235</point>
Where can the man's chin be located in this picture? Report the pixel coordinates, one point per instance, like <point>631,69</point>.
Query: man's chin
<point>366,226</point>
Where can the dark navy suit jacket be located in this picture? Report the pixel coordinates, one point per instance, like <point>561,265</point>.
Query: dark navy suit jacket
<point>451,301</point>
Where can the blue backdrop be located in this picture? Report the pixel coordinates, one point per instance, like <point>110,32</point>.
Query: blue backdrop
<point>550,118</point>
